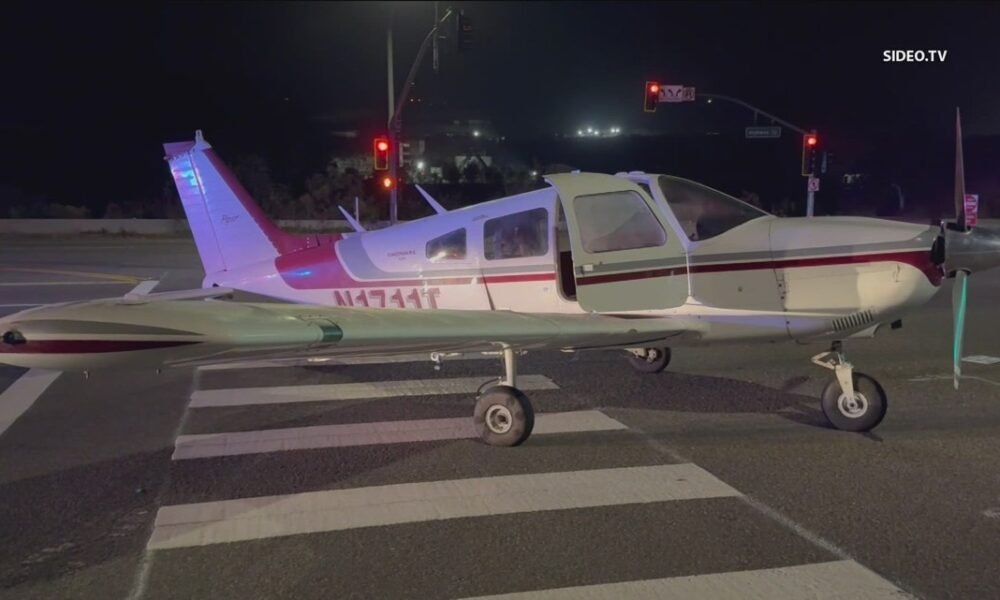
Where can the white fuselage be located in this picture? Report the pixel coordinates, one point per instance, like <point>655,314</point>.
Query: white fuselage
<point>769,279</point>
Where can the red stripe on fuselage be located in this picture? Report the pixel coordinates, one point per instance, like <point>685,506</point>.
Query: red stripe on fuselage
<point>916,258</point>
<point>87,346</point>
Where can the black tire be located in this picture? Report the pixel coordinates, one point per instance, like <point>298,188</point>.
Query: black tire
<point>656,360</point>
<point>866,415</point>
<point>503,416</point>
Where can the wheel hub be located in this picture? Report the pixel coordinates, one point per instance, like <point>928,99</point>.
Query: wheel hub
<point>853,408</point>
<point>498,419</point>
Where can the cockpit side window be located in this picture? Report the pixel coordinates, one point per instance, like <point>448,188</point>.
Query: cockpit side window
<point>617,221</point>
<point>450,246</point>
<point>702,211</point>
<point>517,235</point>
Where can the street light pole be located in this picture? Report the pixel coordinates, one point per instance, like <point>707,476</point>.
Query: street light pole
<point>396,111</point>
<point>393,152</point>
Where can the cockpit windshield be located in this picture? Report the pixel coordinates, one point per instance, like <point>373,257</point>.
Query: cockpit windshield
<point>702,211</point>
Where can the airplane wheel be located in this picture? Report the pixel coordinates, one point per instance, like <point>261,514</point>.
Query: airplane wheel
<point>863,413</point>
<point>503,416</point>
<point>656,360</point>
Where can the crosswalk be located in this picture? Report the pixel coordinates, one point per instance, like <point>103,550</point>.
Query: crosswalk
<point>475,485</point>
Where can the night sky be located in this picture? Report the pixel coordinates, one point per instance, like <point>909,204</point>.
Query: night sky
<point>92,90</point>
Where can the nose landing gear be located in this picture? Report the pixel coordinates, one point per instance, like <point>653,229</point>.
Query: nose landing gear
<point>851,401</point>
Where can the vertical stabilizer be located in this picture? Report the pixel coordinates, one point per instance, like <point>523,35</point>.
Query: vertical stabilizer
<point>229,228</point>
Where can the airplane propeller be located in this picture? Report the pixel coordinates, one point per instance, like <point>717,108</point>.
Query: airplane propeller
<point>966,249</point>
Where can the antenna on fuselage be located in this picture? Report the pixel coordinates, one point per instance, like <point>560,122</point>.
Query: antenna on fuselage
<point>354,223</point>
<point>434,203</point>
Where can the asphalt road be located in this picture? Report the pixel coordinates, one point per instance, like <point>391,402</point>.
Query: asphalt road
<point>718,476</point>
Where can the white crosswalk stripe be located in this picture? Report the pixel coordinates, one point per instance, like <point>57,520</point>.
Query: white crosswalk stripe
<point>834,580</point>
<point>319,361</point>
<point>365,434</point>
<point>311,512</point>
<point>355,391</point>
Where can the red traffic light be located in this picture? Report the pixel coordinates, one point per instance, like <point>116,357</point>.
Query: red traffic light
<point>381,154</point>
<point>652,96</point>
<point>387,182</point>
<point>810,147</point>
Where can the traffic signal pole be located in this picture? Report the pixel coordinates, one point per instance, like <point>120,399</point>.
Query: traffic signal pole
<point>810,194</point>
<point>396,110</point>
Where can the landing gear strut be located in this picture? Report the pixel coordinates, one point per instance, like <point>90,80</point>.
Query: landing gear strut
<point>649,360</point>
<point>851,401</point>
<point>503,415</point>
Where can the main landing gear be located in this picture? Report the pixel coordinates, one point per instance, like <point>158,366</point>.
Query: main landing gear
<point>649,360</point>
<point>503,415</point>
<point>851,401</point>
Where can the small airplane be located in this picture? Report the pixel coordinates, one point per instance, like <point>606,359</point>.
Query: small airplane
<point>633,261</point>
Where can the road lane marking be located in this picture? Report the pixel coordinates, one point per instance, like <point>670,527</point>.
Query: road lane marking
<point>20,395</point>
<point>143,288</point>
<point>817,581</point>
<point>246,519</point>
<point>47,283</point>
<point>951,378</point>
<point>981,359</point>
<point>366,434</point>
<point>319,361</point>
<point>355,391</point>
<point>92,275</point>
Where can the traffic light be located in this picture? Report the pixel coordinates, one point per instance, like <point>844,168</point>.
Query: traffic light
<point>810,150</point>
<point>652,96</point>
<point>387,183</point>
<point>381,154</point>
<point>464,33</point>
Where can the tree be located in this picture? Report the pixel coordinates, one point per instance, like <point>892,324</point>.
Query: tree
<point>253,172</point>
<point>471,172</point>
<point>449,172</point>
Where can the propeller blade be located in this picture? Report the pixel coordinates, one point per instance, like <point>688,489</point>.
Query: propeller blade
<point>959,296</point>
<point>959,174</point>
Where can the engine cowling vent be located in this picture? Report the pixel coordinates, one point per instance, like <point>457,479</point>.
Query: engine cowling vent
<point>853,321</point>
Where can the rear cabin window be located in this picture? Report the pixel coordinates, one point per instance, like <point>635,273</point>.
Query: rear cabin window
<point>450,246</point>
<point>517,236</point>
<point>617,221</point>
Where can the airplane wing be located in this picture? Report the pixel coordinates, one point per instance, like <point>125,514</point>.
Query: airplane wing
<point>184,330</point>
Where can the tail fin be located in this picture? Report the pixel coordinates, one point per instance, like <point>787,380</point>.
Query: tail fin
<point>229,228</point>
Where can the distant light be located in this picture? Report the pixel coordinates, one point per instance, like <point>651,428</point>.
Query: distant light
<point>811,140</point>
<point>387,182</point>
<point>579,132</point>
<point>383,146</point>
<point>475,133</point>
<point>709,100</point>
<point>534,173</point>
<point>420,165</point>
<point>590,130</point>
